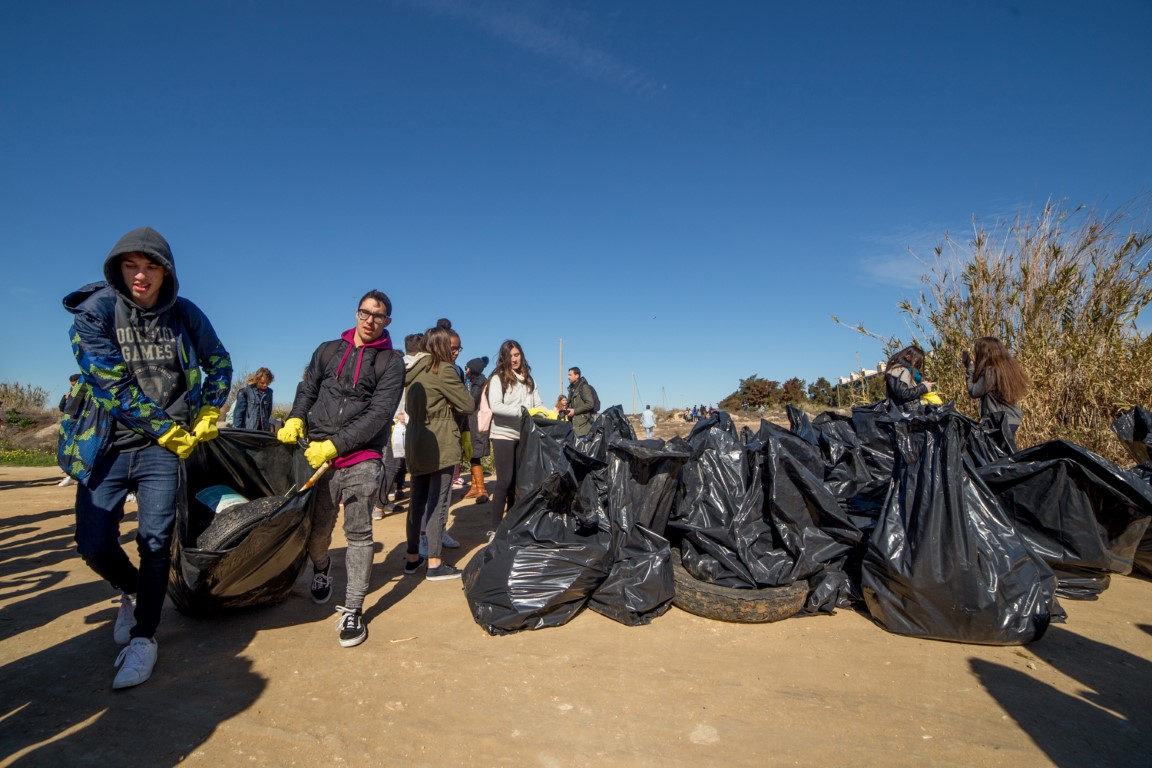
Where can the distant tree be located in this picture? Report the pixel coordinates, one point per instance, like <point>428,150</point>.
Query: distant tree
<point>755,391</point>
<point>821,392</point>
<point>793,391</point>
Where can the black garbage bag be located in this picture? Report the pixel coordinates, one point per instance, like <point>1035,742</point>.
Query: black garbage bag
<point>642,485</point>
<point>550,551</point>
<point>807,521</point>
<point>1084,515</point>
<point>542,566</point>
<point>263,566</point>
<point>944,561</point>
<point>746,516</point>
<point>1134,428</point>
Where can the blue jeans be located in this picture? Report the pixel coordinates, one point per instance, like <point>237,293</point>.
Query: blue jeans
<point>155,475</point>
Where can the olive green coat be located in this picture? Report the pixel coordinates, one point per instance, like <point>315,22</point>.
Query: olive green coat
<point>433,401</point>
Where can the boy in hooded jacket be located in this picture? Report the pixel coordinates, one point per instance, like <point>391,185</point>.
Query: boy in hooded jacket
<point>345,406</point>
<point>153,376</point>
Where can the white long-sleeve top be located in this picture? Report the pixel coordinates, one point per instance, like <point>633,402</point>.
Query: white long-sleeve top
<point>506,406</point>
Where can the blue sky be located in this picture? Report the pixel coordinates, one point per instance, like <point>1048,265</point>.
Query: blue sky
<point>684,192</point>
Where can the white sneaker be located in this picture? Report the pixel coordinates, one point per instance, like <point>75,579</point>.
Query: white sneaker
<point>67,481</point>
<point>448,542</point>
<point>125,620</point>
<point>135,662</point>
<point>131,499</point>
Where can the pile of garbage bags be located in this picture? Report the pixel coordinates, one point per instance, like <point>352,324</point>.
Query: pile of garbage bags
<point>924,519</point>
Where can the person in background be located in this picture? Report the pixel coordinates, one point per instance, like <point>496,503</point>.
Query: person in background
<point>345,404</point>
<point>434,398</point>
<point>65,399</point>
<point>995,377</point>
<point>904,382</point>
<point>154,376</point>
<point>474,381</point>
<point>648,421</point>
<point>510,389</point>
<point>583,403</point>
<point>254,402</point>
<point>562,407</point>
<point>395,469</point>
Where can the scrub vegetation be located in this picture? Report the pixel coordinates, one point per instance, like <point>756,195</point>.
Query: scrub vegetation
<point>1064,290</point>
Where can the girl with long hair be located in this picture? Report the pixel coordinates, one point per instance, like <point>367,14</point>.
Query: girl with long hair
<point>995,377</point>
<point>435,397</point>
<point>510,389</point>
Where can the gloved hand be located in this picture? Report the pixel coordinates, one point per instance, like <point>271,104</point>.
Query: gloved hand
<point>292,431</point>
<point>544,413</point>
<point>178,440</point>
<point>318,453</point>
<point>466,447</point>
<point>204,423</point>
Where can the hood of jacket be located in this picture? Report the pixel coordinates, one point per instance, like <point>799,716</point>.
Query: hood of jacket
<point>152,244</point>
<point>414,365</point>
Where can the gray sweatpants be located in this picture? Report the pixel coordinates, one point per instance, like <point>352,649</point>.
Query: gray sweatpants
<point>357,486</point>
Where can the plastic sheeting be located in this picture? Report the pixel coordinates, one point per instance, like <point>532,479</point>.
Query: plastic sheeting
<point>944,560</point>
<point>1134,428</point>
<point>1080,512</point>
<point>262,568</point>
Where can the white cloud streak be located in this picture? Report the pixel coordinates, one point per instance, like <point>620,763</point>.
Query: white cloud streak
<point>518,30</point>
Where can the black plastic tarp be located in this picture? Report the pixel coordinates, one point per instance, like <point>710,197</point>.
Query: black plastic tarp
<point>262,568</point>
<point>1081,513</point>
<point>1134,428</point>
<point>944,560</point>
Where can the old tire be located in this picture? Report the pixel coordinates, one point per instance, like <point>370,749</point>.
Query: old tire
<point>233,525</point>
<point>749,606</point>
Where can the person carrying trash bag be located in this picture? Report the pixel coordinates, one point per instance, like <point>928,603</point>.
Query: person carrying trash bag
<point>344,406</point>
<point>154,376</point>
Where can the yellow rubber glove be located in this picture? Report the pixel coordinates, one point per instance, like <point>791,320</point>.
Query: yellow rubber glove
<point>292,431</point>
<point>466,447</point>
<point>543,412</point>
<point>318,453</point>
<point>204,423</point>
<point>178,440</point>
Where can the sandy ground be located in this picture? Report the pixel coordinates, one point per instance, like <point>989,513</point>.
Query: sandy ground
<point>271,686</point>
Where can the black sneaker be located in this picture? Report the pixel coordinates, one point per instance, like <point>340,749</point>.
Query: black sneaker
<point>442,572</point>
<point>350,625</point>
<point>410,568</point>
<point>322,585</point>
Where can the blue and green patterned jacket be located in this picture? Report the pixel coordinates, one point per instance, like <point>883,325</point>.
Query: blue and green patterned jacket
<point>122,395</point>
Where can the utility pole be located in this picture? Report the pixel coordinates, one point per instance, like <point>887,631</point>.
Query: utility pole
<point>633,393</point>
<point>561,366</point>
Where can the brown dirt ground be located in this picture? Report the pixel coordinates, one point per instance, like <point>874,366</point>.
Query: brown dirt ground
<point>272,687</point>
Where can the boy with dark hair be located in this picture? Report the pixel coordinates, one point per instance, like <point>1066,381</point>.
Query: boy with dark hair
<point>153,378</point>
<point>345,405</point>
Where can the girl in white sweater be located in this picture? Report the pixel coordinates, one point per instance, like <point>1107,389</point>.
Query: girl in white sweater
<point>510,389</point>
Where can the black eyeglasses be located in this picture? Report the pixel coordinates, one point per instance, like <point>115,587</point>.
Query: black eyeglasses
<point>364,314</point>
